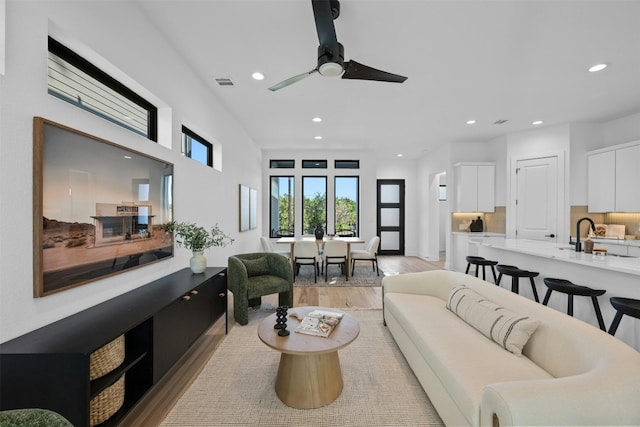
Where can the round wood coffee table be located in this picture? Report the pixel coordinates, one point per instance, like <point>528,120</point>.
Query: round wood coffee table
<point>309,374</point>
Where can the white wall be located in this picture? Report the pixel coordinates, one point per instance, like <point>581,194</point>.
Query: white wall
<point>621,130</point>
<point>120,34</point>
<point>434,215</point>
<point>583,138</point>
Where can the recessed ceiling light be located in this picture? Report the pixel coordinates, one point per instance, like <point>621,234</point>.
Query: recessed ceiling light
<point>537,122</point>
<point>597,67</point>
<point>317,119</point>
<point>257,76</point>
<point>317,137</point>
<point>127,157</point>
<point>471,122</point>
<point>399,155</point>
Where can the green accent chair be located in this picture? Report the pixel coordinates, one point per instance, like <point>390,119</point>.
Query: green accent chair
<point>250,276</point>
<point>32,418</point>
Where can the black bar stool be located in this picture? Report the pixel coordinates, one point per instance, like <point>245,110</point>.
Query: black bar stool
<point>516,273</point>
<point>571,289</point>
<point>623,306</point>
<point>480,261</point>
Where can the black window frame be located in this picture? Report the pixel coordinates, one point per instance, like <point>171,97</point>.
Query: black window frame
<point>282,164</point>
<point>346,164</point>
<point>356,228</point>
<point>186,147</point>
<point>278,233</point>
<point>314,164</point>
<point>91,70</point>
<point>324,225</point>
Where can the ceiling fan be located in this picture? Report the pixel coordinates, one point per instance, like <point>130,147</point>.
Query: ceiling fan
<point>331,61</point>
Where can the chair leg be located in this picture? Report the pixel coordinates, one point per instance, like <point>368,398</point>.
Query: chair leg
<point>477,267</point>
<point>467,270</point>
<point>493,271</point>
<point>377,266</point>
<point>546,297</point>
<point>533,288</point>
<point>570,305</point>
<point>499,279</point>
<point>484,273</point>
<point>614,324</point>
<point>596,307</point>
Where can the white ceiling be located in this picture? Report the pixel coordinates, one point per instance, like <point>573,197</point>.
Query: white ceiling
<point>517,60</point>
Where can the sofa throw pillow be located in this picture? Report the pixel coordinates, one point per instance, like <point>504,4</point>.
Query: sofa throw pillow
<point>257,266</point>
<point>509,330</point>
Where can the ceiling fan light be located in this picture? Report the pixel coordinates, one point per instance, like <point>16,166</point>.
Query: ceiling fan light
<point>330,69</point>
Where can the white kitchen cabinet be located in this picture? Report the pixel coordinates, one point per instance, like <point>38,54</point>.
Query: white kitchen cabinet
<point>474,187</point>
<point>612,179</point>
<point>601,181</point>
<point>628,179</point>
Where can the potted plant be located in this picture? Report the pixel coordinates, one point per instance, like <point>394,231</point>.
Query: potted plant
<point>197,239</point>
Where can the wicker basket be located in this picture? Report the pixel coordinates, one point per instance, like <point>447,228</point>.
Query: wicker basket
<point>107,403</point>
<point>106,358</point>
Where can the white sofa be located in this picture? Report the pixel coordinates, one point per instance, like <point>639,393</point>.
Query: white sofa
<point>569,373</point>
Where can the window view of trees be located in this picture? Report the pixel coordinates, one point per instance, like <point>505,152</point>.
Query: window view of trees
<point>346,205</point>
<point>282,206</point>
<point>314,203</point>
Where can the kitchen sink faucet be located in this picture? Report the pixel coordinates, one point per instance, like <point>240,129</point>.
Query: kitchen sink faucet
<point>593,227</point>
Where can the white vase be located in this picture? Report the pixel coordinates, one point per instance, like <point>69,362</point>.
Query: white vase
<point>198,262</point>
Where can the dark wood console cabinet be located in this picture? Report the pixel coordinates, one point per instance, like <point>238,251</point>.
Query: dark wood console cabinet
<point>49,367</point>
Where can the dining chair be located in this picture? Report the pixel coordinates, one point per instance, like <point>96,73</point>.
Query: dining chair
<point>267,246</point>
<point>335,252</point>
<point>369,253</point>
<point>306,253</point>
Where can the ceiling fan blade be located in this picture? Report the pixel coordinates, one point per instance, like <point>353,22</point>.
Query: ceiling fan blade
<point>324,24</point>
<point>292,80</point>
<point>355,70</point>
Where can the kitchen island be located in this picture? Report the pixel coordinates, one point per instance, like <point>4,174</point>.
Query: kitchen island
<point>618,275</point>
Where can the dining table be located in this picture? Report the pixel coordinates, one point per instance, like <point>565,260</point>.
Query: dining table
<point>292,241</point>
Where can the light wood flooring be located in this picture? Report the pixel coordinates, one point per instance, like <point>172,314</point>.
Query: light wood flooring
<point>155,406</point>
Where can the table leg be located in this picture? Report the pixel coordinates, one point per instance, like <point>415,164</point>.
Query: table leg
<point>309,381</point>
<point>348,272</point>
<point>293,262</point>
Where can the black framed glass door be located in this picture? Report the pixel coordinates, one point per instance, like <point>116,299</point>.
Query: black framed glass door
<point>390,216</point>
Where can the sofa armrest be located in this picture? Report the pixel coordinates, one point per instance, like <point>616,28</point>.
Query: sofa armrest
<point>599,397</point>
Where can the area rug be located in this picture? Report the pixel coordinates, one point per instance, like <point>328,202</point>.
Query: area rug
<point>236,387</point>
<point>363,276</point>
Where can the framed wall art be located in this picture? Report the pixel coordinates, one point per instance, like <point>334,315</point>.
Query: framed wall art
<point>99,208</point>
<point>244,208</point>
<point>248,208</point>
<point>253,208</point>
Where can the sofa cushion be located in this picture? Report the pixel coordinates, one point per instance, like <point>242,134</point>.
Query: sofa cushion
<point>257,266</point>
<point>509,330</point>
<point>464,360</point>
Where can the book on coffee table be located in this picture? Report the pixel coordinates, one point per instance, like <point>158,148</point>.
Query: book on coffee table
<point>319,322</point>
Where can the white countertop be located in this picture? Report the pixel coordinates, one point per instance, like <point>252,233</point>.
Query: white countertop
<point>613,241</point>
<point>566,253</point>
<point>479,234</point>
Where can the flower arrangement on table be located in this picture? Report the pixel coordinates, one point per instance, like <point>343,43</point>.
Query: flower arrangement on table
<point>197,239</point>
